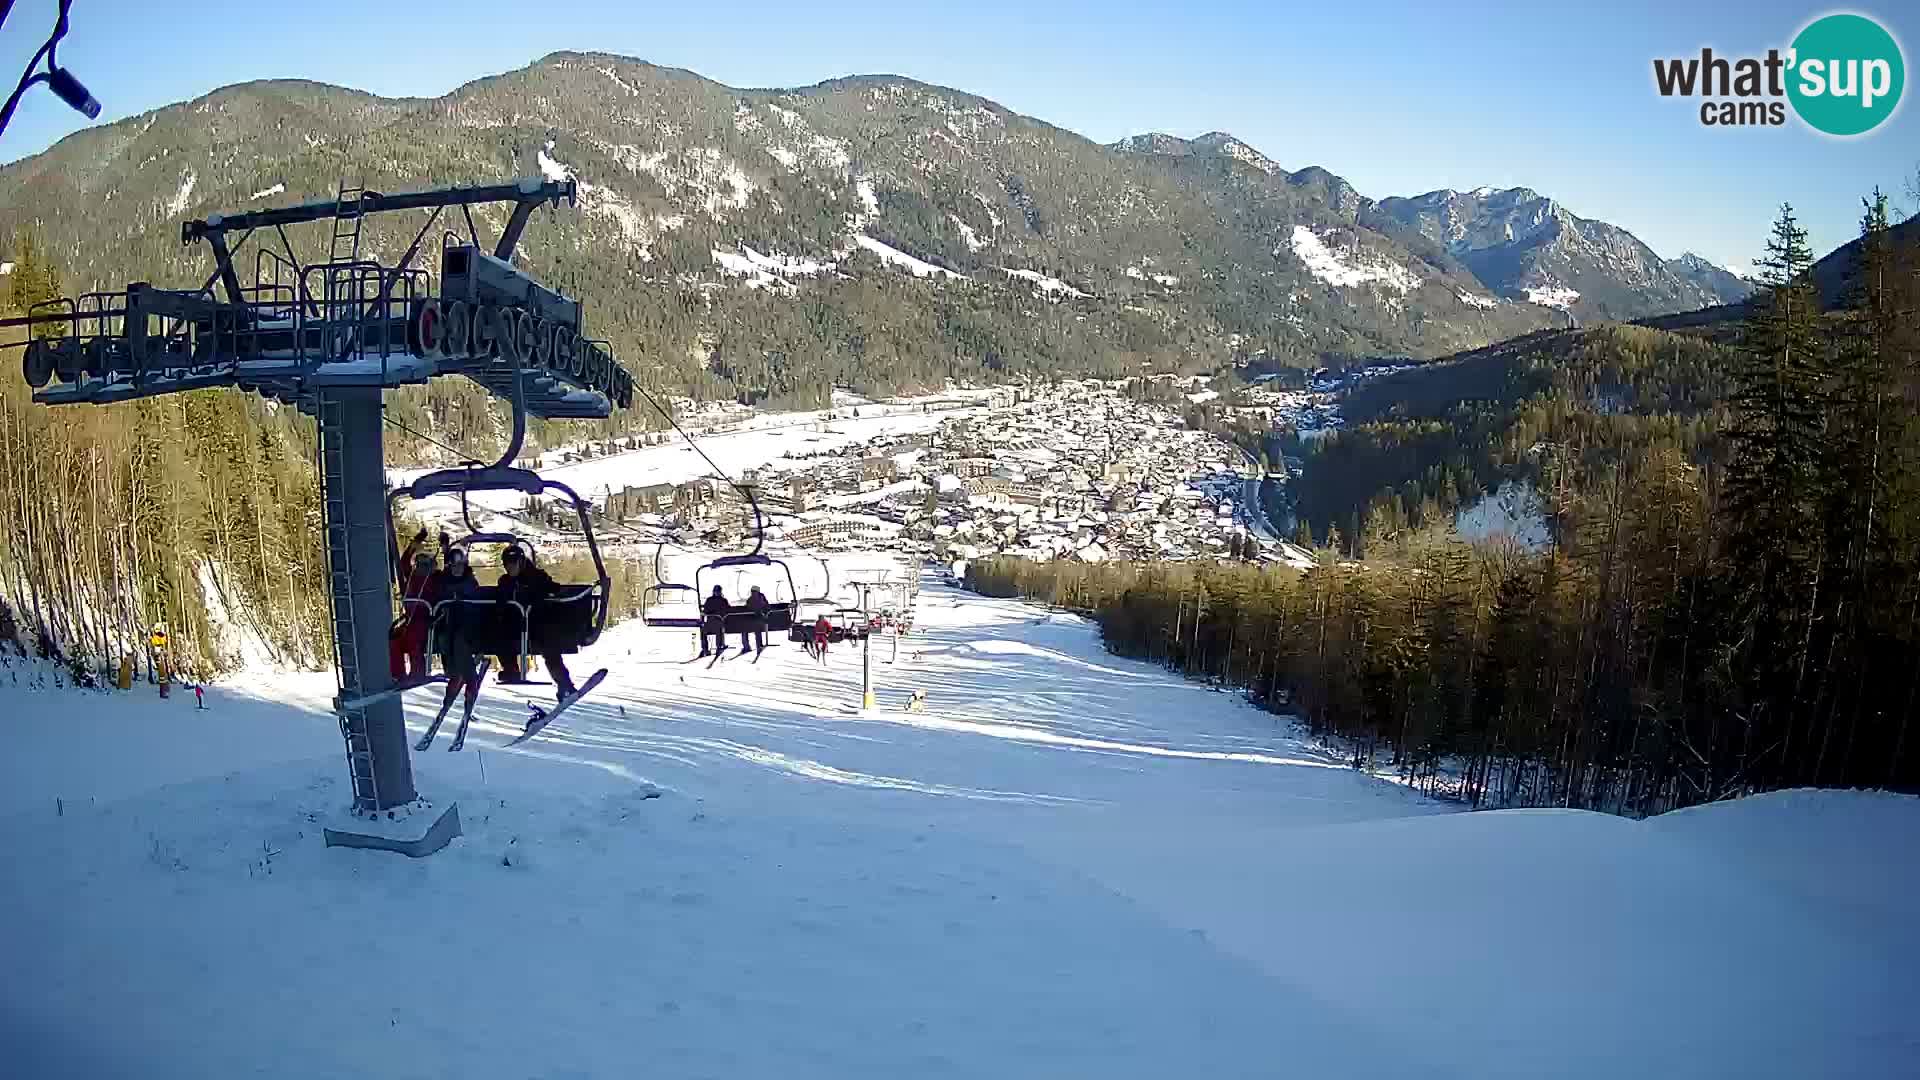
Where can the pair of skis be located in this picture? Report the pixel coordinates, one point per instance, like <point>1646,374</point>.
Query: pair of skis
<point>535,723</point>
<point>722,654</point>
<point>542,717</point>
<point>466,715</point>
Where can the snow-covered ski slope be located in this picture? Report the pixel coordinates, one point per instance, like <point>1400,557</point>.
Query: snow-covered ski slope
<point>1069,865</point>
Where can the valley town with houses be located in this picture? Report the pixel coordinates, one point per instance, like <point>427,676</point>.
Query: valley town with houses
<point>1075,469</point>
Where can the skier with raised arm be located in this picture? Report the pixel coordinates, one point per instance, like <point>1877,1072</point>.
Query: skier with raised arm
<point>407,639</point>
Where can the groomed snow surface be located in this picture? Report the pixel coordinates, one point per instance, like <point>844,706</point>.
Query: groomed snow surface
<point>1047,284</point>
<point>1514,511</point>
<point>1069,865</point>
<point>1554,296</point>
<point>178,203</point>
<point>889,254</point>
<point>1352,269</point>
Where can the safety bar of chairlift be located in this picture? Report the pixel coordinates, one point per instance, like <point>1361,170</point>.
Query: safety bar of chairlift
<point>659,579</point>
<point>434,609</point>
<point>699,619</point>
<point>669,621</point>
<point>749,559</point>
<point>752,558</point>
<point>511,539</point>
<point>826,589</point>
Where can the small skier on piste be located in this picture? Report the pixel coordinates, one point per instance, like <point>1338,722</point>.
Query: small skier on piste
<point>822,634</point>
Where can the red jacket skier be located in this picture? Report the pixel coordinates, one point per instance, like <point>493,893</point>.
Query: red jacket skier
<point>407,642</point>
<point>822,633</point>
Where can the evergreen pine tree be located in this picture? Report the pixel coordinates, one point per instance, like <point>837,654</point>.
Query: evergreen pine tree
<point>1776,548</point>
<point>35,278</point>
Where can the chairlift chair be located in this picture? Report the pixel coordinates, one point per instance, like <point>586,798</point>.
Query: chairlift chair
<point>676,604</point>
<point>779,610</point>
<point>808,608</point>
<point>669,603</point>
<point>565,622</point>
<point>849,624</point>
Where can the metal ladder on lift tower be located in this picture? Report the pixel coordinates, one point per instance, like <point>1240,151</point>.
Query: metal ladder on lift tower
<point>346,224</point>
<point>346,645</point>
<point>342,284</point>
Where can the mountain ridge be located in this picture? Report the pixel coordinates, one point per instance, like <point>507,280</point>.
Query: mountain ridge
<point>929,221</point>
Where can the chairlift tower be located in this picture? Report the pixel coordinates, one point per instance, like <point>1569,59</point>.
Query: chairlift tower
<point>896,589</point>
<point>330,338</point>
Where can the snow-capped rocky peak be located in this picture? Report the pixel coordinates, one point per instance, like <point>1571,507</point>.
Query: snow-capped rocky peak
<point>1213,142</point>
<point>1717,282</point>
<point>1153,142</point>
<point>1222,143</point>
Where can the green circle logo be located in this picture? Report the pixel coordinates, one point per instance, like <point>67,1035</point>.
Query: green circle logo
<point>1847,74</point>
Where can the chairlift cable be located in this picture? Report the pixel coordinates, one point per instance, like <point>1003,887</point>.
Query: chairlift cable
<point>630,530</point>
<point>759,520</point>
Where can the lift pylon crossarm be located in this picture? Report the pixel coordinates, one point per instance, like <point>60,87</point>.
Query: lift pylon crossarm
<point>351,323</point>
<point>528,193</point>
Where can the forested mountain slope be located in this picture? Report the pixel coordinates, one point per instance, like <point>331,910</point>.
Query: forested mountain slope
<point>1554,408</point>
<point>871,231</point>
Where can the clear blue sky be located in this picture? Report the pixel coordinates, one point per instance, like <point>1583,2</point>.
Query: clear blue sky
<point>1400,98</point>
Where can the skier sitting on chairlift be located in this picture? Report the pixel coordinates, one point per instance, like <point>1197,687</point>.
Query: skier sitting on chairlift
<point>757,605</point>
<point>407,640</point>
<point>526,584</point>
<point>456,627</point>
<point>713,621</point>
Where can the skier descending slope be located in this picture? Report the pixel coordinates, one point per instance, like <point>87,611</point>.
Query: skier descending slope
<point>822,633</point>
<point>455,628</point>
